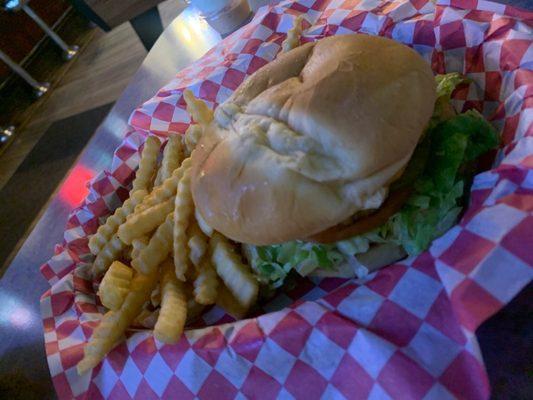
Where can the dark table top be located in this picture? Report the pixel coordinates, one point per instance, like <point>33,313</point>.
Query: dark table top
<point>23,368</point>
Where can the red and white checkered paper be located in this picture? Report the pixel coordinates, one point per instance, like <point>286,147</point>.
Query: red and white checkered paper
<point>406,332</point>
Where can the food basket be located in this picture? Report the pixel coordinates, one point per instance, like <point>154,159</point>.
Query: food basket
<point>405,332</point>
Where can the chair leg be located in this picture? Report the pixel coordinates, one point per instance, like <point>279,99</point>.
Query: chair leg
<point>68,51</point>
<point>39,88</point>
<point>148,27</point>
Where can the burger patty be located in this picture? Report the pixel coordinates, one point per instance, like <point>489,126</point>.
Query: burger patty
<point>391,206</point>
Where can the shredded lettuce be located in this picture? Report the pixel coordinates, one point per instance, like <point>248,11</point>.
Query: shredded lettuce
<point>436,201</point>
<point>437,172</point>
<point>272,263</point>
<point>446,84</point>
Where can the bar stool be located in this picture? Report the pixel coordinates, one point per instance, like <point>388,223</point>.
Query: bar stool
<point>39,88</point>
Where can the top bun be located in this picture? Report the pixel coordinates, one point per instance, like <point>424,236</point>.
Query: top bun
<point>311,138</point>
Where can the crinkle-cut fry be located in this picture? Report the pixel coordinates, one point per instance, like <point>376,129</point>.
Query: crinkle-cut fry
<point>293,35</point>
<point>172,158</point>
<point>157,249</point>
<point>236,275</point>
<point>206,283</point>
<point>146,318</point>
<point>111,252</point>
<point>115,285</point>
<point>137,245</point>
<point>173,312</point>
<point>166,190</point>
<point>106,231</point>
<point>192,137</point>
<point>144,222</point>
<point>147,164</point>
<point>197,108</point>
<point>155,297</point>
<point>229,303</point>
<point>206,229</point>
<point>114,323</point>
<point>197,244</point>
<point>182,213</point>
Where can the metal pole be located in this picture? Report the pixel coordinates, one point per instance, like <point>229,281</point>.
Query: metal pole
<point>68,51</point>
<point>39,87</point>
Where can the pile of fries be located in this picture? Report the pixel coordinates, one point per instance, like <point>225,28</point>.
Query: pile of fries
<point>160,262</point>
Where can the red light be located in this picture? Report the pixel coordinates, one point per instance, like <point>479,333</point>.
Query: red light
<point>74,188</point>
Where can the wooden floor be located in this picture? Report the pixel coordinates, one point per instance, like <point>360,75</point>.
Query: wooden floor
<point>97,76</point>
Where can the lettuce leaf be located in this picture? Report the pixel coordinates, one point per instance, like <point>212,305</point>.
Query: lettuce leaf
<point>272,264</point>
<point>446,84</point>
<point>437,174</point>
<point>436,201</point>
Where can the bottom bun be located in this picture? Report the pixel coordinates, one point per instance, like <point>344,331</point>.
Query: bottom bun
<point>378,256</point>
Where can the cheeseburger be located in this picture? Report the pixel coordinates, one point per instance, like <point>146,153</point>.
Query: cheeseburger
<point>339,157</point>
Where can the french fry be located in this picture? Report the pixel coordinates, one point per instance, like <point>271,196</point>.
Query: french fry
<point>115,285</point>
<point>206,280</point>
<point>166,190</point>
<point>182,214</point>
<point>147,165</point>
<point>140,185</point>
<point>173,312</point>
<point>114,323</point>
<point>106,231</point>
<point>111,252</point>
<point>206,283</point>
<point>146,318</point>
<point>206,229</point>
<point>137,245</point>
<point>141,223</point>
<point>197,244</point>
<point>192,137</point>
<point>236,275</point>
<point>157,249</point>
<point>229,303</point>
<point>293,35</point>
<point>155,297</point>
<point>172,157</point>
<point>197,108</point>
